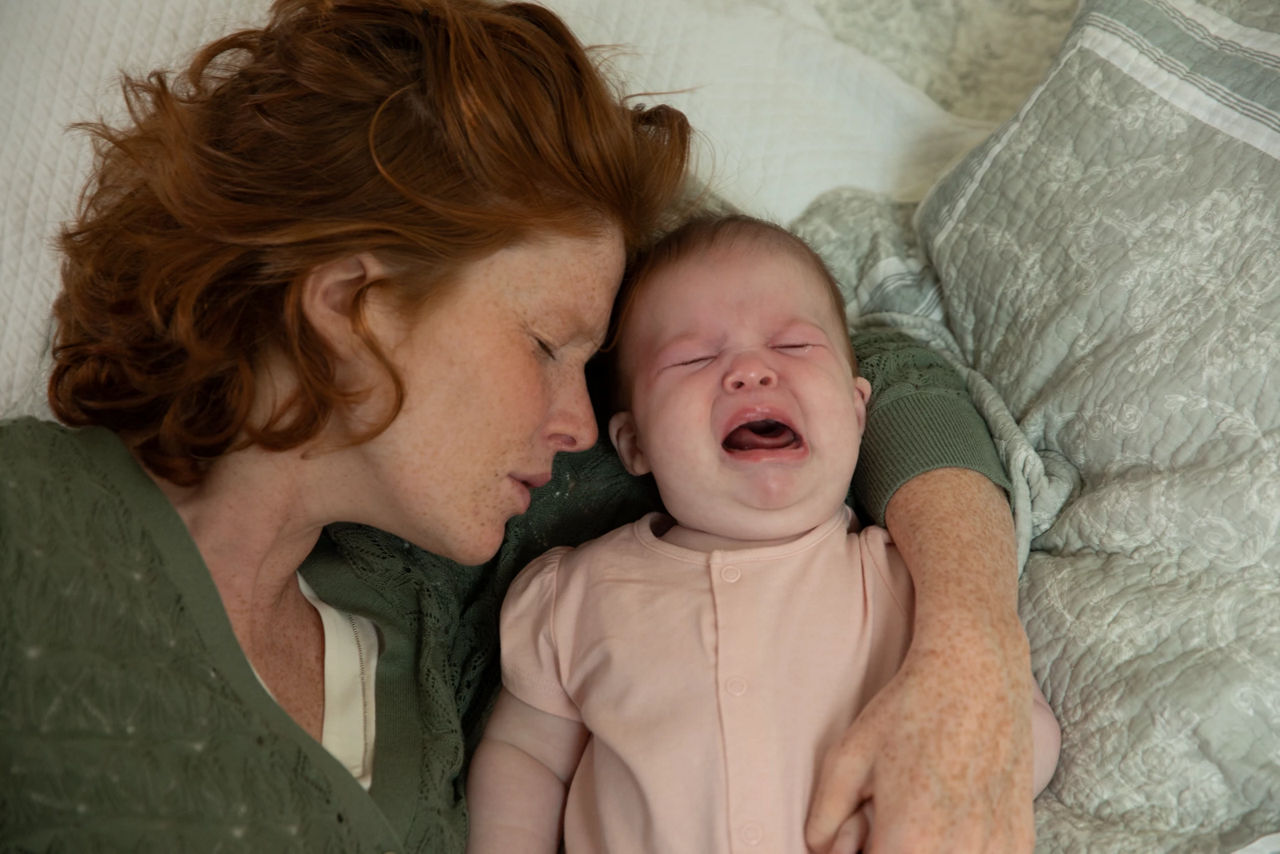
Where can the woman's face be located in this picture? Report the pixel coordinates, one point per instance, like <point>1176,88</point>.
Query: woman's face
<point>494,382</point>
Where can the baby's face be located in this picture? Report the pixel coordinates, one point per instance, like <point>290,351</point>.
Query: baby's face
<point>743,401</point>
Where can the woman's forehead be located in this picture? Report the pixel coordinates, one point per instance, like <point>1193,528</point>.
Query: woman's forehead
<point>554,276</point>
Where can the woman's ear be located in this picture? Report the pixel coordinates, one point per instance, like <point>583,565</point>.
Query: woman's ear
<point>329,299</point>
<point>622,432</point>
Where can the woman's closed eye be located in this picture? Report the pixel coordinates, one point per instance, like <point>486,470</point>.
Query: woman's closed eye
<point>547,349</point>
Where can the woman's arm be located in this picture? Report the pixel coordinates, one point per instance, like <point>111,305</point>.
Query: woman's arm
<point>945,747</point>
<point>519,777</point>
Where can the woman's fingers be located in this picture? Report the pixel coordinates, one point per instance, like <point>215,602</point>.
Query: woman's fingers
<point>844,782</point>
<point>852,835</point>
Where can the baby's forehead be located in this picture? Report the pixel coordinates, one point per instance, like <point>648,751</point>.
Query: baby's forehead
<point>805,278</point>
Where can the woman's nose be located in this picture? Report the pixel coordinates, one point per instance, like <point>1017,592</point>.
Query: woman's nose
<point>748,371</point>
<point>573,421</point>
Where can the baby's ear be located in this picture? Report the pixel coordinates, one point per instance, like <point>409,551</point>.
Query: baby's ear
<point>862,388</point>
<point>622,432</point>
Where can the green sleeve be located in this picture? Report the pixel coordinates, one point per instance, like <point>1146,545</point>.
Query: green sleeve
<point>919,418</point>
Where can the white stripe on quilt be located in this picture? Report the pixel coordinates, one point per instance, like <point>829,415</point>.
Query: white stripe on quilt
<point>996,146</point>
<point>1179,70</point>
<point>1201,97</point>
<point>1222,33</point>
<point>1245,120</point>
<point>894,274</point>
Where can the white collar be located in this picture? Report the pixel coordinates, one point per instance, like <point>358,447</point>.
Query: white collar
<point>350,665</point>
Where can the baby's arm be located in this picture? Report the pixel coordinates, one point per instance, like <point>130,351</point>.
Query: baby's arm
<point>519,776</point>
<point>1046,739</point>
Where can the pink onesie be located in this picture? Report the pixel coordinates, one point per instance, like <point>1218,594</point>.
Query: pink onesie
<point>711,682</point>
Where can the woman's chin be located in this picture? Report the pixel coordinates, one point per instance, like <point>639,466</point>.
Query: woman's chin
<point>474,544</point>
<point>477,553</point>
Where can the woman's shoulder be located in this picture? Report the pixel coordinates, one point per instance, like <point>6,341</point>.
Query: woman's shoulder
<point>35,452</point>
<point>47,465</point>
<point>32,445</point>
<point>68,488</point>
<point>27,433</point>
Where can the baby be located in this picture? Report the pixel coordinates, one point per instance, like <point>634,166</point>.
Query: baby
<point>673,685</point>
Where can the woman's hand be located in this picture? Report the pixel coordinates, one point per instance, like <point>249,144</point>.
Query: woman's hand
<point>945,748</point>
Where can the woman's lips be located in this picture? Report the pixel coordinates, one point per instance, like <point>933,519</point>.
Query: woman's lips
<point>534,481</point>
<point>526,484</point>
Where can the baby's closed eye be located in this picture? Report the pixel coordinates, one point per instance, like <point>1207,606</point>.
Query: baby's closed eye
<point>693,360</point>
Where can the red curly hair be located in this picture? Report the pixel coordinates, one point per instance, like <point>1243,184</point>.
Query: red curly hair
<point>429,132</point>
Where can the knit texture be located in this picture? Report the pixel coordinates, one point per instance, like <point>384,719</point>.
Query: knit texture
<point>919,418</point>
<point>130,720</point>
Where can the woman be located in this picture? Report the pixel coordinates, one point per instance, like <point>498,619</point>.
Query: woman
<point>350,268</point>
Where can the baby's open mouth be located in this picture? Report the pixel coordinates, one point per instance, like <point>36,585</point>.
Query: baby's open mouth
<point>763,435</point>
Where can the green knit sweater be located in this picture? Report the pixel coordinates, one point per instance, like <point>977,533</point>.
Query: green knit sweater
<point>130,719</point>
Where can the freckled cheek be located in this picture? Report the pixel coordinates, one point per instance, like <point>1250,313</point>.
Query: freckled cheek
<point>516,398</point>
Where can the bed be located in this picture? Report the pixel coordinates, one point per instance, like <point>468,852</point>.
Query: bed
<point>1078,203</point>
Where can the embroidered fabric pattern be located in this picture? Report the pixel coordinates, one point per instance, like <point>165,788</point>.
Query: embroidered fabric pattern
<point>100,657</point>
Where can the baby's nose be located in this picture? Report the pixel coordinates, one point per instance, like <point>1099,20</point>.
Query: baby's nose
<point>748,371</point>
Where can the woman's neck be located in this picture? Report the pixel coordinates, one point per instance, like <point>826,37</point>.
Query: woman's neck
<point>254,521</point>
<point>251,521</point>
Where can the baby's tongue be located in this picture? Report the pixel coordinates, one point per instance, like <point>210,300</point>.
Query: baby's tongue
<point>760,435</point>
